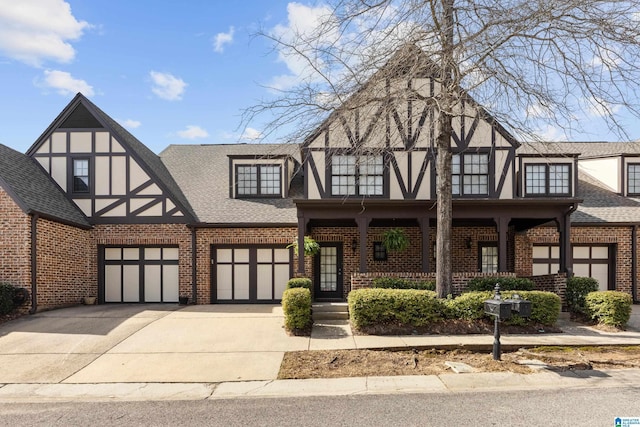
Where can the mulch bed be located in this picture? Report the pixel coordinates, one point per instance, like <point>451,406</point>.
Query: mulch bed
<point>455,327</point>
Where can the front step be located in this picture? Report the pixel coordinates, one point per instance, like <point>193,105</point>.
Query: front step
<point>330,311</point>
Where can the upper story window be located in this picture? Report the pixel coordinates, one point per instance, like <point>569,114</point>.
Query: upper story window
<point>547,179</point>
<point>258,180</point>
<point>80,175</point>
<point>470,174</point>
<point>633,179</point>
<point>357,175</point>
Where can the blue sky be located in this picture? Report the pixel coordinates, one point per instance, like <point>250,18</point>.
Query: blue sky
<point>170,71</point>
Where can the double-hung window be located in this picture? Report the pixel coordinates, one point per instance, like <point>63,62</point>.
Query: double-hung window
<point>489,258</point>
<point>633,179</point>
<point>357,175</point>
<point>258,180</point>
<point>547,179</point>
<point>81,175</point>
<point>470,174</point>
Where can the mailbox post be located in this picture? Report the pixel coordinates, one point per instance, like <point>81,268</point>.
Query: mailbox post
<point>501,310</point>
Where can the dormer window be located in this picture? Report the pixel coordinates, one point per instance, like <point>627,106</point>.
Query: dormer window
<point>80,175</point>
<point>633,179</point>
<point>258,180</point>
<point>547,180</point>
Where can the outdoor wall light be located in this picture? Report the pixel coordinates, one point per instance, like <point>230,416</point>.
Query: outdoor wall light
<point>468,242</point>
<point>354,245</point>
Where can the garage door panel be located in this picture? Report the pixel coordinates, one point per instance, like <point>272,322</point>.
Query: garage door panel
<point>152,283</point>
<point>113,283</point>
<point>600,272</point>
<point>224,275</point>
<point>131,283</point>
<point>241,282</point>
<point>282,274</point>
<point>170,283</point>
<point>581,270</point>
<point>265,282</point>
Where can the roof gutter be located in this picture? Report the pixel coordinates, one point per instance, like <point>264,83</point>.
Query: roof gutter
<point>34,263</point>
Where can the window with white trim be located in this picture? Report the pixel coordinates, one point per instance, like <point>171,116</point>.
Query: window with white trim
<point>81,175</point>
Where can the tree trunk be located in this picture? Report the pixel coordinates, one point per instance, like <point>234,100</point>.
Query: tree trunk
<point>443,163</point>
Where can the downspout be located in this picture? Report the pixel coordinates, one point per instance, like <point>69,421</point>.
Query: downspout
<point>634,263</point>
<point>194,270</point>
<point>34,263</point>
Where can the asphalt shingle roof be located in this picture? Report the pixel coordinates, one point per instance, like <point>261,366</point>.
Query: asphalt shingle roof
<point>34,190</point>
<point>602,205</point>
<point>585,149</point>
<point>202,172</point>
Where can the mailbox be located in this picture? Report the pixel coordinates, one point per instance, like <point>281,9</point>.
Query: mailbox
<point>499,308</point>
<point>520,306</point>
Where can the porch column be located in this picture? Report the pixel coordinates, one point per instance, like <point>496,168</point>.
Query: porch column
<point>363,226</point>
<point>566,256</point>
<point>302,226</point>
<point>424,228</point>
<point>502,226</point>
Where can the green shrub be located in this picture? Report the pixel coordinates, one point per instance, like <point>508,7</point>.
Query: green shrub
<point>609,307</point>
<point>6,298</point>
<point>468,306</point>
<point>545,306</point>
<point>398,283</point>
<point>299,282</point>
<point>403,306</point>
<point>506,284</point>
<point>577,290</point>
<point>296,305</point>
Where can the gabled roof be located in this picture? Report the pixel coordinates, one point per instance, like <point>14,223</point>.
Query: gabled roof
<point>146,157</point>
<point>202,171</point>
<point>410,58</point>
<point>34,191</point>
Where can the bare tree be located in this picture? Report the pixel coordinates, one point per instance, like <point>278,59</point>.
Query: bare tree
<point>528,63</point>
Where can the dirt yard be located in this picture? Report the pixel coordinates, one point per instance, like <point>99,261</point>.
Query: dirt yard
<point>361,363</point>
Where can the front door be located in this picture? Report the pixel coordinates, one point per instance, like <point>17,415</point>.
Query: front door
<point>328,272</point>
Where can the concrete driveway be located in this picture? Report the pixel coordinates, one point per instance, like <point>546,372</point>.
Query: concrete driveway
<point>146,343</point>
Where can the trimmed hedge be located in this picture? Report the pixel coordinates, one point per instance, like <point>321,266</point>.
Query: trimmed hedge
<point>468,306</point>
<point>299,282</point>
<point>405,306</point>
<point>6,298</point>
<point>609,307</point>
<point>577,290</point>
<point>506,284</point>
<point>545,306</point>
<point>296,305</point>
<point>387,282</point>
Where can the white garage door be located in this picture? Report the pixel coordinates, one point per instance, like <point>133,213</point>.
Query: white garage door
<point>244,274</point>
<point>588,261</point>
<point>140,274</point>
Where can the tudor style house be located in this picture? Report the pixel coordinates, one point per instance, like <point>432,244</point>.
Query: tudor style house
<point>90,211</point>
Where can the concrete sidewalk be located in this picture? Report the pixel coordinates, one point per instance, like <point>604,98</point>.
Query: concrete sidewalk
<point>167,351</point>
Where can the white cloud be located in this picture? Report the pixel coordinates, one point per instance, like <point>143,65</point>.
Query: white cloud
<point>599,108</point>
<point>65,84</point>
<point>131,124</point>
<point>33,31</point>
<point>167,86</point>
<point>222,39</point>
<point>551,134</point>
<point>251,134</point>
<point>193,132</point>
<point>538,111</point>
